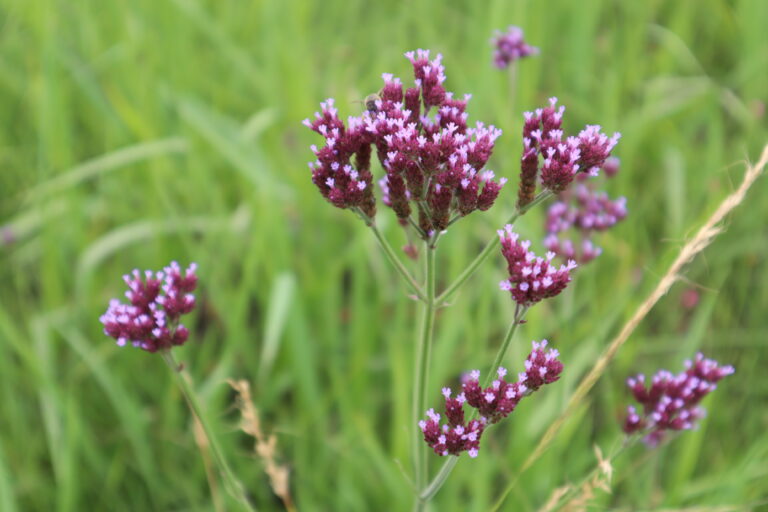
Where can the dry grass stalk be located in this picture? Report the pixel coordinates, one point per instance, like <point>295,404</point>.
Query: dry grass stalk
<point>265,446</point>
<point>577,499</point>
<point>701,240</point>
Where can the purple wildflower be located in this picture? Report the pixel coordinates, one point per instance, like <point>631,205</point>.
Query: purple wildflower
<point>509,47</point>
<point>493,403</point>
<point>531,279</point>
<point>341,183</point>
<point>434,163</point>
<point>558,159</point>
<point>671,401</point>
<point>585,211</point>
<point>156,303</point>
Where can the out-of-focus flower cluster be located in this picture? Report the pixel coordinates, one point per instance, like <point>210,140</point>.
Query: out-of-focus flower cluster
<point>434,161</point>
<point>157,300</point>
<point>555,159</point>
<point>531,278</point>
<point>584,211</point>
<point>492,404</point>
<point>671,402</point>
<point>510,46</point>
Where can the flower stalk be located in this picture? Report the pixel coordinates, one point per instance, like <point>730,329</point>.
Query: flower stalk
<point>233,486</point>
<point>422,361</point>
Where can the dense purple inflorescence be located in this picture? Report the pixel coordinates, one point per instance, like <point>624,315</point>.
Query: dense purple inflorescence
<point>531,278</point>
<point>510,46</point>
<point>157,300</point>
<point>433,160</point>
<point>584,211</point>
<point>671,402</point>
<point>493,403</point>
<point>555,159</point>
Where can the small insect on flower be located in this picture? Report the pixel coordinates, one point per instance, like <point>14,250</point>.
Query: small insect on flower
<point>370,102</point>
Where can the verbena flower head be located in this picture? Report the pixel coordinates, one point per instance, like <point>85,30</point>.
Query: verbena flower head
<point>493,403</point>
<point>583,211</point>
<point>531,278</point>
<point>510,46</point>
<point>434,162</point>
<point>554,158</point>
<point>671,402</point>
<point>157,301</point>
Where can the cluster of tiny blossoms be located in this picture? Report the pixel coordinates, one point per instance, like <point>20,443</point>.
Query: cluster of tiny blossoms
<point>434,162</point>
<point>671,401</point>
<point>531,278</point>
<point>584,211</point>
<point>492,404</point>
<point>510,46</point>
<point>157,301</point>
<point>555,159</point>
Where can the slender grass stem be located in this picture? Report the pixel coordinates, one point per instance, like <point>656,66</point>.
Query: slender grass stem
<point>489,248</point>
<point>421,372</point>
<point>231,483</point>
<point>437,482</point>
<point>392,256</point>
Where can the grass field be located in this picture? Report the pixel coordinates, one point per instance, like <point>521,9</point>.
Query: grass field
<point>140,132</point>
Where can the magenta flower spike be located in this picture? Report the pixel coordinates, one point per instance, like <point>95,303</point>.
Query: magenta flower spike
<point>531,278</point>
<point>510,46</point>
<point>671,402</point>
<point>434,161</point>
<point>157,301</point>
<point>555,159</point>
<point>584,211</point>
<point>492,404</point>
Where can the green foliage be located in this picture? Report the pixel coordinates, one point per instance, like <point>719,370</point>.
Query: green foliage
<point>140,132</point>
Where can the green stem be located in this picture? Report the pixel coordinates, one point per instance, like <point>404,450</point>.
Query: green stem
<point>502,352</point>
<point>231,483</point>
<point>437,482</point>
<point>392,257</point>
<point>421,371</point>
<point>489,248</point>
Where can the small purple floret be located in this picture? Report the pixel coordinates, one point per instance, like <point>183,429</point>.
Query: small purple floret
<point>671,402</point>
<point>510,46</point>
<point>493,403</point>
<point>157,301</point>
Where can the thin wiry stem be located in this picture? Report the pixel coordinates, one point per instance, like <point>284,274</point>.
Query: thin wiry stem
<point>421,373</point>
<point>231,483</point>
<point>392,256</point>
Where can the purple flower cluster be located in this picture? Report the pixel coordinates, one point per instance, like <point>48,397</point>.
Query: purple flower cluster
<point>531,278</point>
<point>557,159</point>
<point>585,211</point>
<point>433,163</point>
<point>493,403</point>
<point>157,302</point>
<point>671,401</point>
<point>509,46</point>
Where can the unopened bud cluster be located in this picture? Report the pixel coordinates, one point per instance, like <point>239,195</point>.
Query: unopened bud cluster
<point>553,158</point>
<point>582,211</point>
<point>671,402</point>
<point>433,160</point>
<point>510,46</point>
<point>157,301</point>
<point>492,404</point>
<point>531,278</point>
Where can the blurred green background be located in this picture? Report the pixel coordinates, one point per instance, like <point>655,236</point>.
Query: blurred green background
<point>136,132</point>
